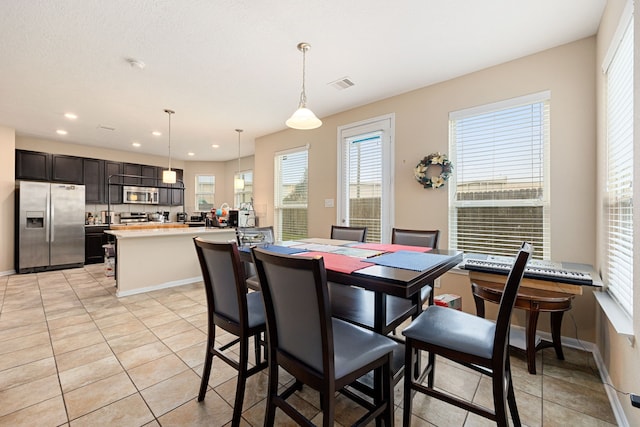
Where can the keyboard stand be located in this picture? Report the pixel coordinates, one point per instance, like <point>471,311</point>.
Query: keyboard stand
<point>489,287</point>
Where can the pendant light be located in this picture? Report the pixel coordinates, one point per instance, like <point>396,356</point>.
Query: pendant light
<point>169,176</point>
<point>303,118</point>
<point>238,183</point>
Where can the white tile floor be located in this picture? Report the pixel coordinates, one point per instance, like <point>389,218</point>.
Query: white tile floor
<point>72,353</point>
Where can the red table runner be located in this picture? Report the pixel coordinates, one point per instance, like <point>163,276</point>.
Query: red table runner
<point>340,263</point>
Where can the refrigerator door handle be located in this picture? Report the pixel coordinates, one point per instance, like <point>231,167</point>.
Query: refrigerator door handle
<point>50,227</point>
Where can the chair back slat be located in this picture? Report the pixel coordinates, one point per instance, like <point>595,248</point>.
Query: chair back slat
<point>425,238</point>
<point>296,304</point>
<point>357,234</point>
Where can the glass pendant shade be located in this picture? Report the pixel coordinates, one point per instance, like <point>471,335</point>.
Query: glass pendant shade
<point>169,176</point>
<point>238,184</point>
<point>303,119</point>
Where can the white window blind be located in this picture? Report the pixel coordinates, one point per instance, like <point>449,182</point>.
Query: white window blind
<point>619,201</point>
<point>244,197</point>
<point>205,192</point>
<point>363,182</point>
<point>291,194</point>
<point>499,192</point>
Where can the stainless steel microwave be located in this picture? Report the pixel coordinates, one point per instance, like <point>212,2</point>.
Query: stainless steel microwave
<point>143,195</point>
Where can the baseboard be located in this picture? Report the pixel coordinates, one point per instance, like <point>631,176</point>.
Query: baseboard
<point>7,273</point>
<point>160,286</point>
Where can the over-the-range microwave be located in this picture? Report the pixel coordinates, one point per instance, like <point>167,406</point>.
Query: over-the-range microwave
<point>144,195</point>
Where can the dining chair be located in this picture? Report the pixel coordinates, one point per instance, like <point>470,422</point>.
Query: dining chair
<point>233,309</point>
<point>425,238</point>
<point>472,341</point>
<point>357,234</point>
<point>319,351</point>
<point>248,236</point>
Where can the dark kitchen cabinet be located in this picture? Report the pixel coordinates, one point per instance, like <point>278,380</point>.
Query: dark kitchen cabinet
<point>94,238</point>
<point>177,192</point>
<point>33,165</point>
<point>68,169</point>
<point>131,169</point>
<point>113,191</point>
<point>164,193</point>
<point>94,181</point>
<point>150,174</point>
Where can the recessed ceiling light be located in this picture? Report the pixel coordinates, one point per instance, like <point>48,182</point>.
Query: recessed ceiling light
<point>215,146</point>
<point>191,154</point>
<point>61,132</point>
<point>156,133</point>
<point>70,116</point>
<point>136,144</point>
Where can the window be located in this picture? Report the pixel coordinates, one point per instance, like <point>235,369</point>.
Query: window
<point>291,191</point>
<point>364,177</point>
<point>499,192</point>
<point>618,207</point>
<point>244,197</point>
<point>205,191</point>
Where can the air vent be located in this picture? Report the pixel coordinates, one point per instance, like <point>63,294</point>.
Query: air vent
<point>342,84</point>
<point>105,127</point>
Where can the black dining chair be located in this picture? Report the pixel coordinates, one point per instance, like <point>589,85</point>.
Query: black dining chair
<point>357,234</point>
<point>424,238</point>
<point>233,309</point>
<point>319,351</point>
<point>472,341</point>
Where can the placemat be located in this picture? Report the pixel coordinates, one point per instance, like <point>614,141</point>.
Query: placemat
<point>274,248</point>
<point>384,247</point>
<point>408,260</point>
<point>340,263</point>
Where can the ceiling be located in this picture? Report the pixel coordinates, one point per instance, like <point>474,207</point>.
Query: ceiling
<point>227,64</point>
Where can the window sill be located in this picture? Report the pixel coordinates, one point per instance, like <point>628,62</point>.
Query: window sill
<point>621,322</point>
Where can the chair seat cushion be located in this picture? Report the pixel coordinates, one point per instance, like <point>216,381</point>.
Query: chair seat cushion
<point>255,309</point>
<point>253,282</point>
<point>453,329</point>
<point>355,347</point>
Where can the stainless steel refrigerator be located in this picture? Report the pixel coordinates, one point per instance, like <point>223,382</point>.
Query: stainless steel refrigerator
<point>49,226</point>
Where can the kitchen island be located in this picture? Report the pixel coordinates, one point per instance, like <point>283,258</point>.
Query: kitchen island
<point>156,258</point>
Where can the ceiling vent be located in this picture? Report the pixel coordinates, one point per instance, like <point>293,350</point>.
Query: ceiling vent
<point>105,127</point>
<point>342,84</point>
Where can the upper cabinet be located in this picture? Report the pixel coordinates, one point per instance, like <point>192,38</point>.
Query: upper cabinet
<point>132,169</point>
<point>94,182</point>
<point>33,165</point>
<point>177,193</point>
<point>113,184</point>
<point>149,173</point>
<point>67,169</point>
<point>38,166</point>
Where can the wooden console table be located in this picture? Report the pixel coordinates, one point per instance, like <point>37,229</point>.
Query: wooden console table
<point>534,296</point>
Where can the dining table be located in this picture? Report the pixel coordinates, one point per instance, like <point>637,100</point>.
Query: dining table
<point>385,269</point>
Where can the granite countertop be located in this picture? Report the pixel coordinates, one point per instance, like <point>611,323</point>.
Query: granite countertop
<point>124,233</point>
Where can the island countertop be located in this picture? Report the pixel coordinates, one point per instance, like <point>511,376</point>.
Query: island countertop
<point>156,258</point>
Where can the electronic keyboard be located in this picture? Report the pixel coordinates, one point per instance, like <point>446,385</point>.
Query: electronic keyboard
<point>533,270</point>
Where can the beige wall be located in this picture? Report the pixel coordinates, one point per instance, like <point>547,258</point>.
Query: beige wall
<point>421,127</point>
<point>621,358</point>
<point>7,187</point>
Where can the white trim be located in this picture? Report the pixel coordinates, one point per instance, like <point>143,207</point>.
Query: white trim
<point>614,401</point>
<point>7,273</point>
<point>292,150</point>
<point>618,317</point>
<point>501,105</point>
<point>160,286</point>
<point>623,24</point>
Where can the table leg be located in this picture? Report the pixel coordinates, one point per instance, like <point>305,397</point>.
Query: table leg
<point>556,326</point>
<point>532,322</point>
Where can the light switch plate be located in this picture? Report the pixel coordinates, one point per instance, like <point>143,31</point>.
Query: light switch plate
<point>328,203</point>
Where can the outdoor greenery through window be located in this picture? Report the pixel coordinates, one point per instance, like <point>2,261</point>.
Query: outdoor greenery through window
<point>244,197</point>
<point>618,209</point>
<point>499,192</point>
<point>205,192</point>
<point>291,194</point>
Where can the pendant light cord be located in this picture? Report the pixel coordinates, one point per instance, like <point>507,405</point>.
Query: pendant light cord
<point>169,112</point>
<point>303,47</point>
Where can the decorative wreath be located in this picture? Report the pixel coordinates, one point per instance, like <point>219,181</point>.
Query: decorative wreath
<point>433,181</point>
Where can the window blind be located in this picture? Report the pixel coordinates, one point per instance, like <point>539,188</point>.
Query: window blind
<point>363,158</point>
<point>499,192</point>
<point>619,201</point>
<point>291,194</point>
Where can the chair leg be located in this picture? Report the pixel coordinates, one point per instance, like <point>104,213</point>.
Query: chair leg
<point>408,364</point>
<point>511,398</point>
<point>242,381</point>
<point>500,394</point>
<point>256,344</point>
<point>432,366</point>
<point>387,396</point>
<point>270,412</point>
<point>208,361</point>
